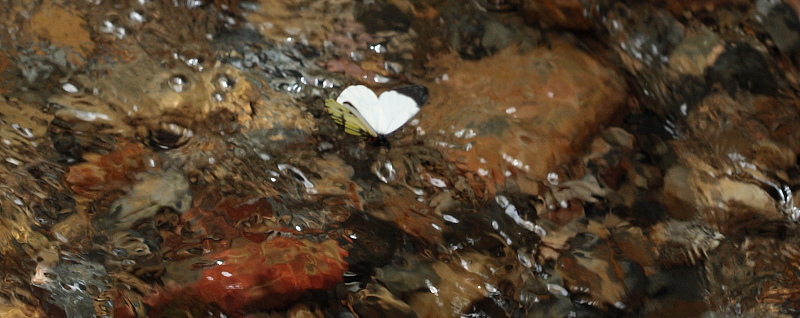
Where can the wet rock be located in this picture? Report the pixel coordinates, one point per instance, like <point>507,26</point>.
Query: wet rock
<point>334,176</point>
<point>681,292</point>
<point>684,242</point>
<point>64,29</point>
<point>633,242</point>
<point>696,52</point>
<point>407,274</point>
<point>742,67</point>
<point>73,228</point>
<point>300,311</point>
<point>124,245</point>
<point>479,36</point>
<point>291,68</point>
<point>19,309</point>
<point>74,283</point>
<point>598,277</point>
<point>270,275</point>
<point>644,35</point>
<point>738,127</point>
<point>8,75</point>
<point>374,244</point>
<point>104,174</point>
<point>739,269</point>
<point>780,20</point>
<point>151,193</point>
<point>465,282</point>
<point>22,125</point>
<point>413,217</point>
<point>557,14</point>
<point>84,123</point>
<point>53,40</point>
<point>281,22</point>
<point>680,7</point>
<point>547,93</point>
<point>376,300</point>
<point>381,16</point>
<point>780,122</point>
<point>614,157</point>
<point>724,201</point>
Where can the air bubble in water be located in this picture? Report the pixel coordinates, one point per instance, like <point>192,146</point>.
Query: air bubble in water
<point>178,83</point>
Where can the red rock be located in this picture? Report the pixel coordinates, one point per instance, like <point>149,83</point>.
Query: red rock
<point>240,210</point>
<point>103,174</point>
<point>260,276</point>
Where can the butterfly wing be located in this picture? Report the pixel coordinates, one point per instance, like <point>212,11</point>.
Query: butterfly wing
<point>348,117</point>
<point>363,100</point>
<point>395,109</point>
<point>418,92</point>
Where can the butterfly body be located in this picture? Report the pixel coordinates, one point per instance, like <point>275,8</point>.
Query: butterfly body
<point>362,113</point>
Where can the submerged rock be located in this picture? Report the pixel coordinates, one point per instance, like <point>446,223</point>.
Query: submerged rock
<point>551,101</point>
<point>254,276</point>
<point>556,14</point>
<point>102,175</point>
<point>684,243</point>
<point>169,190</point>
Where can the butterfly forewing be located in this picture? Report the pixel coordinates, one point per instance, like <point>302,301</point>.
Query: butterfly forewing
<point>363,100</point>
<point>349,118</point>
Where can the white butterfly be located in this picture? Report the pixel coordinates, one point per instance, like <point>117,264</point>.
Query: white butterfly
<point>363,113</point>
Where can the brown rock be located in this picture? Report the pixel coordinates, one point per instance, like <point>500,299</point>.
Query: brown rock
<point>103,174</point>
<point>680,6</point>
<point>594,272</point>
<point>697,52</point>
<point>7,78</point>
<point>64,29</point>
<point>683,242</point>
<point>566,14</point>
<point>520,115</point>
<point>695,189</point>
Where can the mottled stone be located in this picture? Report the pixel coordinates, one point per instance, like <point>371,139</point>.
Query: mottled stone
<point>697,190</point>
<point>697,52</point>
<point>64,29</point>
<point>520,115</point>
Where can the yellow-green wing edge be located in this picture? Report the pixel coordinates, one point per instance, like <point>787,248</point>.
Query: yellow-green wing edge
<point>349,118</point>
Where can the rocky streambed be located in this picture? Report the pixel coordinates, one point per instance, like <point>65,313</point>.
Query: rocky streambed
<point>574,159</point>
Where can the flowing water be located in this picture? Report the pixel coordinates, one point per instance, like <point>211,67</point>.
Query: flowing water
<point>574,159</point>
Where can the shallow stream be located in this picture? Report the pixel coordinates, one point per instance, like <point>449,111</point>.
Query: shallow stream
<point>596,158</point>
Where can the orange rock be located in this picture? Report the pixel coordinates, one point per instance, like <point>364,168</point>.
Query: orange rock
<point>259,276</point>
<point>64,29</point>
<point>520,116</point>
<point>103,174</point>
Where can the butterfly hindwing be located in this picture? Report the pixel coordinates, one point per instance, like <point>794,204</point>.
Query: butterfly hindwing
<point>349,118</point>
